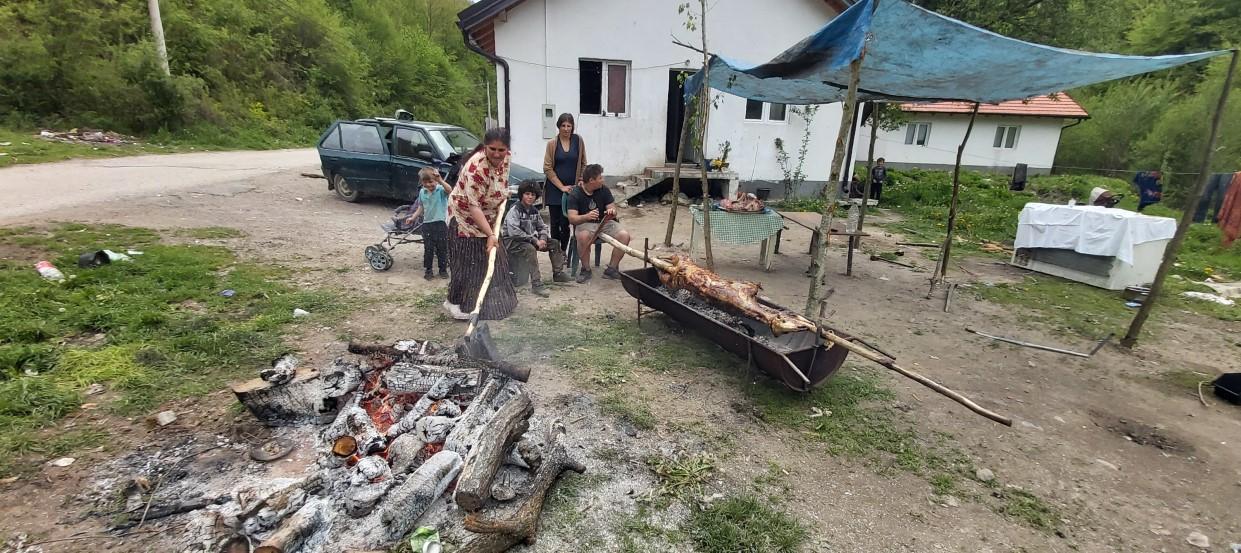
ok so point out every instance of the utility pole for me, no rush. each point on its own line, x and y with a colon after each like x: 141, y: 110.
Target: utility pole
x: 157, y: 29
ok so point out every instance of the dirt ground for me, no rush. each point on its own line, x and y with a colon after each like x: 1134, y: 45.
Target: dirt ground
x: 1128, y: 462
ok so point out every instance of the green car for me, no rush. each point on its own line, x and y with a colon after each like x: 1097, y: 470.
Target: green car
x: 381, y: 157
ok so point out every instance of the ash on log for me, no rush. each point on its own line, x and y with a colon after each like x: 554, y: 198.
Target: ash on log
x: 404, y: 452
x: 341, y: 378
x: 475, y: 415
x: 439, y: 391
x: 369, y: 482
x: 299, y: 400
x: 491, y: 448
x: 355, y: 422
x: 295, y: 530
x: 495, y: 535
x: 408, y: 501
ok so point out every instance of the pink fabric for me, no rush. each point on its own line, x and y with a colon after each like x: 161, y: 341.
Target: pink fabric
x: 1230, y: 213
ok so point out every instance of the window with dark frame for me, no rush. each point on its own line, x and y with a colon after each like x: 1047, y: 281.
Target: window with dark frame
x: 603, y: 87
x: 1006, y: 136
x: 333, y: 140
x: 776, y: 112
x: 753, y: 110
x: 917, y: 134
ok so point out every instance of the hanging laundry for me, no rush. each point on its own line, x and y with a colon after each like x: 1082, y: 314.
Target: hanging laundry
x: 1230, y: 214
x: 1213, y: 197
x: 1149, y: 188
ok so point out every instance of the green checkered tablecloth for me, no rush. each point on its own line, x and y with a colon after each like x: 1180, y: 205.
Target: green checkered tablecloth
x: 739, y: 228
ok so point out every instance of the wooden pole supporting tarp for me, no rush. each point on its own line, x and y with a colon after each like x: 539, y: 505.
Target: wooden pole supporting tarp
x: 676, y: 178
x: 831, y: 190
x: 847, y: 182
x: 870, y: 166
x: 703, y: 119
x: 941, y: 269
x: 1187, y: 218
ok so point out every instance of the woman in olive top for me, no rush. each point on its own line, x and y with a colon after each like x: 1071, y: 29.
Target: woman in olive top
x: 562, y: 163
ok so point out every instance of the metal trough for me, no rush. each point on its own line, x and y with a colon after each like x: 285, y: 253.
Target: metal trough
x: 805, y: 362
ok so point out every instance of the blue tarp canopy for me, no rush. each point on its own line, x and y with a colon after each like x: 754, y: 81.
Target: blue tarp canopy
x: 914, y: 54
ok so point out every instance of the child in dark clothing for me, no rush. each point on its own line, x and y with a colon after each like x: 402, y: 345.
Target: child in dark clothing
x: 433, y: 207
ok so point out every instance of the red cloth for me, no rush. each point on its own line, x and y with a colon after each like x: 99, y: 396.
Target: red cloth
x: 1230, y: 212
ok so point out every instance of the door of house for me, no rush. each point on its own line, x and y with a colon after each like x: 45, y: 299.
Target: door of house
x: 676, y: 113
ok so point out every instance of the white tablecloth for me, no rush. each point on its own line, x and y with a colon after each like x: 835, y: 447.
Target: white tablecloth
x: 1090, y: 230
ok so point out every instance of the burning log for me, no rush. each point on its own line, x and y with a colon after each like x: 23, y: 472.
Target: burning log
x: 411, y: 499
x: 367, y: 485
x: 280, y: 499
x: 299, y: 400
x: 344, y: 446
x: 433, y: 430
x: 491, y: 447
x: 356, y: 423
x: 341, y: 378
x: 414, y: 378
x: 404, y: 452
x: 294, y: 532
x: 439, y: 391
x: 495, y: 535
x: 475, y: 415
x: 742, y: 298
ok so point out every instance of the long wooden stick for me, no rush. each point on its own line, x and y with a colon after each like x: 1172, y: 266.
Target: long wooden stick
x: 941, y: 270
x: 491, y: 270
x: 864, y: 352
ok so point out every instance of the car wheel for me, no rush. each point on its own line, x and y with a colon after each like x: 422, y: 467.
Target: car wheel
x: 345, y: 190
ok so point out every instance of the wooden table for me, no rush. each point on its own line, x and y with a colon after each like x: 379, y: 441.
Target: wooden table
x: 810, y: 222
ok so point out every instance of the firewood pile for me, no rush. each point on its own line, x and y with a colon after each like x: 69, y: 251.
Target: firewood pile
x: 413, y: 435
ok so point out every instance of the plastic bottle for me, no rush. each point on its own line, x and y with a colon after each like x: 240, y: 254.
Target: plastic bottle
x: 855, y: 213
x: 49, y: 271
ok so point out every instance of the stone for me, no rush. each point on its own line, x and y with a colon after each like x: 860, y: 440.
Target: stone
x: 62, y: 462
x: 984, y: 475
x: 1107, y: 464
x: 1198, y: 539
x: 165, y: 418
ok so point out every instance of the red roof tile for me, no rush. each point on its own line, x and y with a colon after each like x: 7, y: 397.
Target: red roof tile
x: 1058, y: 105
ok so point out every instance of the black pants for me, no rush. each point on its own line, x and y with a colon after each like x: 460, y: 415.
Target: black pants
x: 1213, y: 197
x: 560, y: 226
x: 876, y: 190
x: 435, y: 244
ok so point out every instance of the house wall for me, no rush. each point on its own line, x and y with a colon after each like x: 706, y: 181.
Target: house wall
x: 544, y: 39
x: 1036, y: 145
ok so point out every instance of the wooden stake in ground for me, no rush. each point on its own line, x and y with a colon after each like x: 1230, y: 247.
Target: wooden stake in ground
x: 1187, y: 218
x: 941, y: 269
x: 706, y: 114
x: 676, y: 176
x: 831, y: 190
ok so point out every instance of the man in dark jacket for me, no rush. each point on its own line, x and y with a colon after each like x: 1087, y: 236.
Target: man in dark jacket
x: 525, y: 235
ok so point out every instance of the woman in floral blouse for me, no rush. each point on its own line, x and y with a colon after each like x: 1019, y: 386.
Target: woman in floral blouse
x: 474, y: 213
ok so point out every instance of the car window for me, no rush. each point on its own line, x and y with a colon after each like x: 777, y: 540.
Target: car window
x: 363, y: 139
x: 454, y: 141
x: 409, y: 141
x: 333, y: 140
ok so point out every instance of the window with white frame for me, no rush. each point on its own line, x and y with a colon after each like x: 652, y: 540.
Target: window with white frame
x: 603, y: 87
x: 918, y: 134
x: 1006, y: 136
x: 775, y: 112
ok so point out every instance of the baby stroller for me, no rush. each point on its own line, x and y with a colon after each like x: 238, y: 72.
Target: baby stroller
x: 400, y: 231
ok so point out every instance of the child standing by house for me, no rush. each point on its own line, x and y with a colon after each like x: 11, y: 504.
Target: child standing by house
x: 433, y: 206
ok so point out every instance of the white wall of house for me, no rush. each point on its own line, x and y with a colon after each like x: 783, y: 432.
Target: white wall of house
x: 543, y: 40
x: 1035, y: 145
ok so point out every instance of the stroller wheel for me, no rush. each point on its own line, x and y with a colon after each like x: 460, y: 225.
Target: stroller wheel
x: 378, y: 258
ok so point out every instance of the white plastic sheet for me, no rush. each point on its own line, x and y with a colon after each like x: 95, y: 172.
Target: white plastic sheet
x: 1090, y: 230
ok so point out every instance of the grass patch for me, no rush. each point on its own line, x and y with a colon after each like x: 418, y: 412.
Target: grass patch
x: 744, y: 524
x: 210, y: 233
x: 1027, y: 508
x: 637, y: 533
x: 28, y: 147
x: 635, y: 411
x: 682, y: 477
x: 164, y: 332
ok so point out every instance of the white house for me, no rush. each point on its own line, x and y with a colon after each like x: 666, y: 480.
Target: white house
x: 1005, y: 134
x: 613, y: 65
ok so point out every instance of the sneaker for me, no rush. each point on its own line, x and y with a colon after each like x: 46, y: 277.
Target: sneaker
x: 539, y: 290
x: 428, y: 275
x: 583, y: 276
x: 455, y: 312
x: 561, y: 277
x: 443, y: 273
x: 611, y: 273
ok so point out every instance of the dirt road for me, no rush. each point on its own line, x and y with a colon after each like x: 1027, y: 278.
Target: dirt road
x: 57, y: 188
